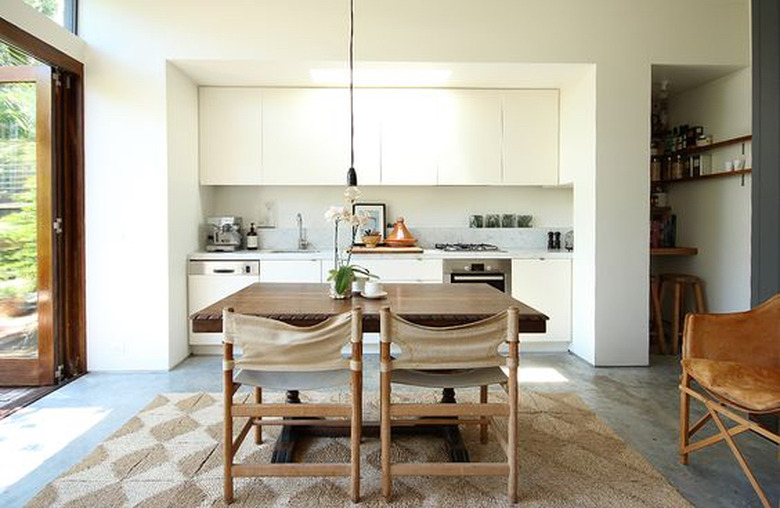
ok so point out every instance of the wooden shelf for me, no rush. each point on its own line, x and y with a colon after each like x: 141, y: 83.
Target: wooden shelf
x: 674, y: 251
x: 722, y: 174
x: 719, y: 144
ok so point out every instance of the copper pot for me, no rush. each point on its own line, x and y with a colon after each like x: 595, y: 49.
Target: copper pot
x: 400, y: 236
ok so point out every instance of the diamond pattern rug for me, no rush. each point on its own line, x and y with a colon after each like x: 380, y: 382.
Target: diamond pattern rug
x: 170, y: 454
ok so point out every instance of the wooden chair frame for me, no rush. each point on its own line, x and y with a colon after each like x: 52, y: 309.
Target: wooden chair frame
x: 716, y: 409
x: 259, y: 415
x: 395, y: 415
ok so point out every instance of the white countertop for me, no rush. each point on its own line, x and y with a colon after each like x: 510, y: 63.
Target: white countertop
x: 251, y: 255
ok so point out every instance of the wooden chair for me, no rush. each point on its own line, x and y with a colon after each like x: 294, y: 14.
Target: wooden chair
x: 735, y: 360
x: 283, y: 357
x: 470, y: 353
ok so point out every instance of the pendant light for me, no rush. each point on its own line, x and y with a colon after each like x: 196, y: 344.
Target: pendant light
x: 351, y: 173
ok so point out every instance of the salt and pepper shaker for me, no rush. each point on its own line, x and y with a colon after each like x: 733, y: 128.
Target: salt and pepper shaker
x: 557, y: 240
x: 550, y: 241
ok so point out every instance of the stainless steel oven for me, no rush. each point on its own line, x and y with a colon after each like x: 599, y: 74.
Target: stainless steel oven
x: 494, y: 272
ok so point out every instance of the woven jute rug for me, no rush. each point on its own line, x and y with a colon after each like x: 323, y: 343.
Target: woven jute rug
x: 170, y: 454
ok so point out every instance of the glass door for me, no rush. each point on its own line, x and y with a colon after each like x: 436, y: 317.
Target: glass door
x: 27, y: 353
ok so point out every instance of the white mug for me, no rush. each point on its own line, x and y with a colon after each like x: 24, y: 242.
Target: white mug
x: 739, y: 164
x: 729, y: 165
x: 372, y: 287
x: 358, y: 284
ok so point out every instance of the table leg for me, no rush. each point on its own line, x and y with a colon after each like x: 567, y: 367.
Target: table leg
x: 451, y: 433
x: 284, y: 449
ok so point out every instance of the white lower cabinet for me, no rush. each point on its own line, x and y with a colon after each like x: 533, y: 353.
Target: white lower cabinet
x: 545, y: 285
x: 404, y: 270
x: 295, y: 270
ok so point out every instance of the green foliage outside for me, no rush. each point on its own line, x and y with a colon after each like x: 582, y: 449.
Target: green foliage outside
x: 18, y: 222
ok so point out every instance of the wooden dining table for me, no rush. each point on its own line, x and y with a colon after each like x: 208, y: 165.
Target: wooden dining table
x: 304, y: 304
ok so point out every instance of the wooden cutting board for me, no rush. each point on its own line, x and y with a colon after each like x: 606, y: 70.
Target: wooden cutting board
x: 357, y: 249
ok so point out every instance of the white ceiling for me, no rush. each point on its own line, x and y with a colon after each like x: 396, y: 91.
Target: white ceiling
x: 685, y: 77
x: 413, y: 74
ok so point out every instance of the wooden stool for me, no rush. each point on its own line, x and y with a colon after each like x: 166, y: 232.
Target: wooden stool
x: 679, y: 283
x: 657, y: 314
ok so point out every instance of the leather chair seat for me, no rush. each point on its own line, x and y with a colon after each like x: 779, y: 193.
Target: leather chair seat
x: 755, y: 389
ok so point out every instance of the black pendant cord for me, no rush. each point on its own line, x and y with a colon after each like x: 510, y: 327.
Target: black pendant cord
x: 352, y: 174
x: 352, y: 83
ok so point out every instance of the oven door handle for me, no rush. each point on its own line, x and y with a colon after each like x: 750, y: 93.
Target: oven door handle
x: 466, y: 278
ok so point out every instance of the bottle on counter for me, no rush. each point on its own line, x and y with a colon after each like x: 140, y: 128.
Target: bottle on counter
x: 252, y: 240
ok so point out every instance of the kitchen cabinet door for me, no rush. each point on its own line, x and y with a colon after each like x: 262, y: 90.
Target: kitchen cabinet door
x: 470, y: 142
x: 530, y: 144
x: 230, y: 127
x: 410, y: 134
x: 545, y: 285
x: 305, y: 136
x: 294, y: 270
x: 403, y: 270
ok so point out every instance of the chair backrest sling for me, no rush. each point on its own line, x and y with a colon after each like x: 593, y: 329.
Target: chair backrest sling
x: 472, y: 345
x: 272, y: 345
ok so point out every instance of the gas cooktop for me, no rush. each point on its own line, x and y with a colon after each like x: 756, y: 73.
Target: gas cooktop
x: 467, y: 247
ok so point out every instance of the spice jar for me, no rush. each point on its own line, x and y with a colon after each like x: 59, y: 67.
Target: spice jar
x: 655, y: 169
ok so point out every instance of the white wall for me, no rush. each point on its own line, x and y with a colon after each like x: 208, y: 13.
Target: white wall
x: 127, y: 164
x: 714, y: 215
x: 578, y: 165
x: 30, y: 20
x: 420, y: 206
x: 186, y: 200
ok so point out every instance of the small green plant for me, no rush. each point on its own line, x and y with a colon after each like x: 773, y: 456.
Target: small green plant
x: 343, y: 277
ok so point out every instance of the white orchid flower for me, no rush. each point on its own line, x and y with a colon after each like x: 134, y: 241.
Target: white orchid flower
x: 335, y: 213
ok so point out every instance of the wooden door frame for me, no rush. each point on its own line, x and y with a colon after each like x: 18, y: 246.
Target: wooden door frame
x: 68, y: 168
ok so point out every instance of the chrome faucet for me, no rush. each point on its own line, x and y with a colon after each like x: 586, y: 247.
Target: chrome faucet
x: 303, y: 244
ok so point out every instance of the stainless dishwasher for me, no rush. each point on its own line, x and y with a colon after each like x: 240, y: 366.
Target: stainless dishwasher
x: 210, y: 281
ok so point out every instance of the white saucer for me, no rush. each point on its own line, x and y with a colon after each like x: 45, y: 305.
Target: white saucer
x: 375, y: 296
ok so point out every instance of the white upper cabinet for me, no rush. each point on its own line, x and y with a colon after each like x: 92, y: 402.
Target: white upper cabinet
x: 305, y: 136
x: 300, y: 136
x: 530, y: 137
x: 368, y: 108
x: 469, y: 137
x: 230, y: 136
x: 409, y: 131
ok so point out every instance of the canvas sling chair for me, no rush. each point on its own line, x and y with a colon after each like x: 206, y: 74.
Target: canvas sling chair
x: 735, y: 360
x: 450, y: 357
x: 279, y: 356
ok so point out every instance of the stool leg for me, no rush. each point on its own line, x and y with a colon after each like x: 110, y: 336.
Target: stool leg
x: 701, y: 307
x: 678, y: 294
x: 657, y: 318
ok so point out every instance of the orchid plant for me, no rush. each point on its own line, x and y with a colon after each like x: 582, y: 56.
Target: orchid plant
x: 344, y: 272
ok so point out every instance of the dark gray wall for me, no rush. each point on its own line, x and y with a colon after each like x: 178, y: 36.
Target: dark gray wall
x: 765, y: 263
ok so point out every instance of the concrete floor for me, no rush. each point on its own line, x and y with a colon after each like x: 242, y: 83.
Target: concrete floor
x: 640, y: 404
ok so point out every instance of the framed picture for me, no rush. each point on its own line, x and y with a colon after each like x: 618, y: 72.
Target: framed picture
x: 377, y: 221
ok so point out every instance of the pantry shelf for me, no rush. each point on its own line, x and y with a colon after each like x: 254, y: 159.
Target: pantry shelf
x: 722, y: 174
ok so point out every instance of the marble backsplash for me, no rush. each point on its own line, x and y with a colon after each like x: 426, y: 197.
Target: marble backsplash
x: 504, y: 238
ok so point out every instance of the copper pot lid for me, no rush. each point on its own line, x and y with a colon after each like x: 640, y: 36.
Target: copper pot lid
x: 400, y: 234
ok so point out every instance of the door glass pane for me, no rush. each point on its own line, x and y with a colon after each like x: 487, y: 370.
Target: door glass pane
x: 18, y: 219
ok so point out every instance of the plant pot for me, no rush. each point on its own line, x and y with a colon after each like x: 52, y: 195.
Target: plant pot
x: 371, y: 241
x: 340, y: 296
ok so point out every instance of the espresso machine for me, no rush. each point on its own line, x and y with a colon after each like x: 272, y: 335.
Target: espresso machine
x: 223, y: 234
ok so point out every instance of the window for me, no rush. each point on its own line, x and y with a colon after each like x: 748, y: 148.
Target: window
x: 62, y: 12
